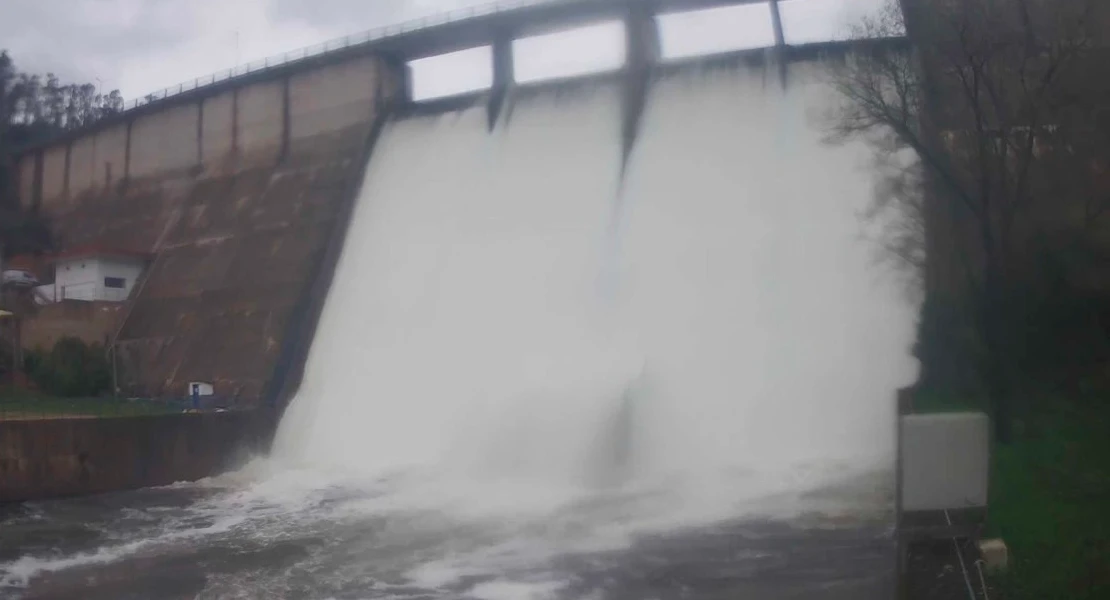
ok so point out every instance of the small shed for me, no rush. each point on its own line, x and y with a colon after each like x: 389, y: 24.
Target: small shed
x: 203, y: 389
x: 94, y: 273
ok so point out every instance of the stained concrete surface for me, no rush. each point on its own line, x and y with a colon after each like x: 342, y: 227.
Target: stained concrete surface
x: 66, y: 457
x: 236, y: 229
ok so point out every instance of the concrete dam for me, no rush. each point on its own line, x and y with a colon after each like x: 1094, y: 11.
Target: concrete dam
x: 610, y: 336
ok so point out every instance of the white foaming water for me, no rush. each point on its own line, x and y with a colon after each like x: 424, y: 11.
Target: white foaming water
x: 772, y: 340
x: 19, y: 572
x: 463, y: 329
x: 524, y: 356
x: 490, y: 323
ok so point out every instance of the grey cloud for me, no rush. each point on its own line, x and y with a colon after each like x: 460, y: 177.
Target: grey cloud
x: 135, y: 44
x: 80, y: 40
x: 338, y: 13
x: 356, y: 15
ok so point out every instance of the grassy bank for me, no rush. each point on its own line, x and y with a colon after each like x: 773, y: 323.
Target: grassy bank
x: 24, y: 404
x: 1050, y: 499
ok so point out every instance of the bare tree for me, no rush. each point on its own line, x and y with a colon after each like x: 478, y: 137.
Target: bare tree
x: 896, y: 218
x: 992, y: 99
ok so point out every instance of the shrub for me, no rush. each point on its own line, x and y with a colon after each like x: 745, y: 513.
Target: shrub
x: 70, y: 369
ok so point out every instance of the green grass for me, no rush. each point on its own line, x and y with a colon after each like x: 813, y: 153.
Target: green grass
x: 1050, y: 499
x: 23, y: 404
x: 928, y: 402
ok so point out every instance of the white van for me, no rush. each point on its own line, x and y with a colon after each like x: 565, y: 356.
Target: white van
x: 19, y: 278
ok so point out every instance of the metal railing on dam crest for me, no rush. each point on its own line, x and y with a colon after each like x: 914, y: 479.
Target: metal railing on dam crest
x: 401, y: 29
x: 339, y: 44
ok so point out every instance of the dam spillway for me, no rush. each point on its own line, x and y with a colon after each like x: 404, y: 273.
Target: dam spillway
x: 544, y: 370
x: 519, y: 273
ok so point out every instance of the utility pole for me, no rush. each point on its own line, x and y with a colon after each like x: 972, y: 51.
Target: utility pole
x: 115, y: 375
x: 7, y: 316
x: 10, y: 313
x: 17, y: 347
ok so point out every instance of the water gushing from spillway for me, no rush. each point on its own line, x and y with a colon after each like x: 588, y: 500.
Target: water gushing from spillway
x: 534, y: 378
x: 506, y: 309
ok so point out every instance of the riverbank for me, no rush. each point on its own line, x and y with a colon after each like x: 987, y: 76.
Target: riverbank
x: 23, y: 405
x: 275, y: 531
x: 1048, y: 497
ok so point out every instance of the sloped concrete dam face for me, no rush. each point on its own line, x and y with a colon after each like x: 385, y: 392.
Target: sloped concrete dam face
x: 541, y: 375
x: 234, y: 198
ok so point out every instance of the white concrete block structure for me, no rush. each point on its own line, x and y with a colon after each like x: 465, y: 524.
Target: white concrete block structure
x: 93, y: 273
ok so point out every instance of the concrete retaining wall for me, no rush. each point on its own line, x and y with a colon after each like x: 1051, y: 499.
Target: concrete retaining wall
x: 66, y: 457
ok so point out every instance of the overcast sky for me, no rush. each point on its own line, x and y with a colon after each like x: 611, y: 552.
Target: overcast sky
x: 139, y: 46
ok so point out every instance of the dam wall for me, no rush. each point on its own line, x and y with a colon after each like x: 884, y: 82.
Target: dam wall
x: 239, y: 190
x: 242, y: 192
x: 234, y: 196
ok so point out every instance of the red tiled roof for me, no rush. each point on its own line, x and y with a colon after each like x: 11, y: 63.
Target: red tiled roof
x: 23, y: 262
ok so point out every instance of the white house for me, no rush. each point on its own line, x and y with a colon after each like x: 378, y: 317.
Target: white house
x: 93, y: 273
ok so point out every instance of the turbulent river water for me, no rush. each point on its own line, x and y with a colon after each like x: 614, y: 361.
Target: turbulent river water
x: 542, y: 373
x: 293, y: 534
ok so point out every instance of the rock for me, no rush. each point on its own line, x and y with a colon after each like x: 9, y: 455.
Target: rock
x: 996, y: 555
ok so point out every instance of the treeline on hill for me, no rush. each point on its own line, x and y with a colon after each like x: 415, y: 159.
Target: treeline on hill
x: 34, y: 108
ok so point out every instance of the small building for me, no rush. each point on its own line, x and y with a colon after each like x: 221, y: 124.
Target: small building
x: 93, y: 273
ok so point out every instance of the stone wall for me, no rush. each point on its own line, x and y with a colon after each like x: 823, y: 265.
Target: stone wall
x: 66, y: 457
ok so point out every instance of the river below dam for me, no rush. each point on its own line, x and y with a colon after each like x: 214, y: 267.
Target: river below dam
x: 261, y: 533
